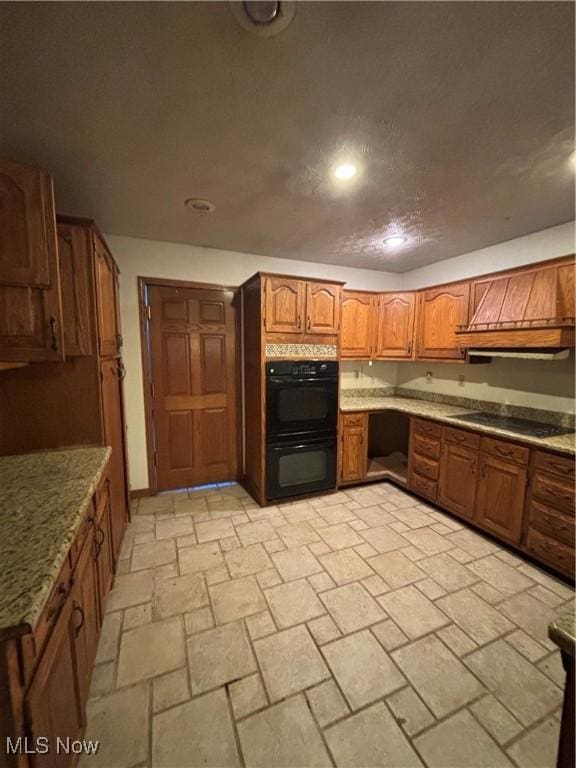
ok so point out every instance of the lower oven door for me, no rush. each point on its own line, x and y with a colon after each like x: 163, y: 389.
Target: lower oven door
x: 300, y: 467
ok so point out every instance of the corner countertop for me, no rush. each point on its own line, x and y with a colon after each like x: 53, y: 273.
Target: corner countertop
x: 563, y: 633
x: 449, y: 414
x: 43, y: 499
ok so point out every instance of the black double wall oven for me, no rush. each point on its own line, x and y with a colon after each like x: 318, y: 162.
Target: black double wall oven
x: 301, y: 427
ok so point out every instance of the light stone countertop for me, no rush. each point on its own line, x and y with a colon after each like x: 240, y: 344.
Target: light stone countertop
x: 563, y: 633
x: 449, y: 414
x: 43, y: 499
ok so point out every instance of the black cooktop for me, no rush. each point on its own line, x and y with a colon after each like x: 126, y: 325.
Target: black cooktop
x: 511, y: 424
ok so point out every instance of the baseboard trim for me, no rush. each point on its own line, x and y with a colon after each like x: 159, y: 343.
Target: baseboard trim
x: 140, y: 493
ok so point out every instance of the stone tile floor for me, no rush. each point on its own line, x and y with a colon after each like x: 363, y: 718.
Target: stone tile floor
x: 362, y: 628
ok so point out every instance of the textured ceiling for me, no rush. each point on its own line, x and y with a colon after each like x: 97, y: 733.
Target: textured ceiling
x: 461, y: 115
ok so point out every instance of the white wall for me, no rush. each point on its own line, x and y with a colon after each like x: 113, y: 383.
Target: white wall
x: 359, y: 374
x: 148, y: 258
x: 546, y: 244
x: 545, y: 384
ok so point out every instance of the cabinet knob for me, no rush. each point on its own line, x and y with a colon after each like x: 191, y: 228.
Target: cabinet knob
x: 53, y: 329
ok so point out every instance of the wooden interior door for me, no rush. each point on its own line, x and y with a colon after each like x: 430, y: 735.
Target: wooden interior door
x: 395, y: 325
x: 193, y: 378
x: 322, y: 308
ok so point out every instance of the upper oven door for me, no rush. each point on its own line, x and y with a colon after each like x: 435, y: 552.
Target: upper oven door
x: 296, y: 406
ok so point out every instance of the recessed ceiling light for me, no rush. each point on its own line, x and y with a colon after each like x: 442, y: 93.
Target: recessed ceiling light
x: 395, y: 241
x: 198, y: 205
x: 345, y: 171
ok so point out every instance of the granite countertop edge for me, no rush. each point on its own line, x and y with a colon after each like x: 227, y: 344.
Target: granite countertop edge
x: 36, y: 593
x: 449, y: 414
x: 562, y: 632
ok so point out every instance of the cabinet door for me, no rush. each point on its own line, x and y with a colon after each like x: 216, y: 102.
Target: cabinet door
x: 52, y: 704
x: 322, y: 308
x: 84, y: 619
x: 395, y: 326
x: 440, y: 310
x: 457, y: 488
x: 106, y: 297
x: 354, y: 455
x: 112, y: 411
x: 104, y: 551
x: 500, y: 497
x: 284, y: 300
x: 30, y: 308
x: 74, y: 253
x: 356, y: 327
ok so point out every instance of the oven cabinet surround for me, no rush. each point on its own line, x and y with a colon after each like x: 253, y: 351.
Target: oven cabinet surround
x: 521, y: 495
x: 45, y: 674
x: 288, y: 318
x: 80, y: 401
x: 30, y: 297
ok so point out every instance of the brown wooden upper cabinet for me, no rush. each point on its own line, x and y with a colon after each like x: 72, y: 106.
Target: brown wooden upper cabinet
x: 76, y: 286
x: 395, y: 325
x: 356, y: 327
x: 106, y: 276
x: 30, y: 305
x: 322, y: 308
x: 301, y: 306
x: 440, y: 310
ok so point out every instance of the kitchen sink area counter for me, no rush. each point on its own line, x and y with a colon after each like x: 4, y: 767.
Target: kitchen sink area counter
x: 43, y: 500
x: 389, y: 400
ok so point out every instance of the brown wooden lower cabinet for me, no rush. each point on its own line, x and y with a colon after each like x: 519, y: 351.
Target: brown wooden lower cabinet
x: 49, y: 684
x: 353, y: 454
x: 457, y: 487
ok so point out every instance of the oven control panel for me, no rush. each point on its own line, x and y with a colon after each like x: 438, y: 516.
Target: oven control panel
x: 302, y: 368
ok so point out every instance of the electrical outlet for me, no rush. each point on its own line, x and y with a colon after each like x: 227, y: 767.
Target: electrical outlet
x: 461, y: 380
x: 428, y: 377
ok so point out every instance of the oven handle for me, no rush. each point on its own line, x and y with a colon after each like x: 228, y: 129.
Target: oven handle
x: 330, y: 443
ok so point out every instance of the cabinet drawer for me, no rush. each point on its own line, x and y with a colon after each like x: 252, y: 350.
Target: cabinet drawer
x: 425, y: 467
x: 519, y: 454
x: 423, y: 486
x: 554, y: 490
x: 552, y: 522
x: 556, y: 465
x: 461, y: 437
x: 426, y: 446
x: 353, y: 419
x: 551, y: 552
x: 427, y: 428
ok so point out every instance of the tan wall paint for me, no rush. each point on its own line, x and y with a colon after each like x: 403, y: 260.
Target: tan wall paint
x: 149, y: 258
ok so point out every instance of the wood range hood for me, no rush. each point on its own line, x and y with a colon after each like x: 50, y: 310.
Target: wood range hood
x: 530, y: 311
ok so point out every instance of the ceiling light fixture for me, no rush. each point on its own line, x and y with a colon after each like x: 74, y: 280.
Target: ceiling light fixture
x: 198, y: 205
x: 345, y: 171
x: 395, y: 241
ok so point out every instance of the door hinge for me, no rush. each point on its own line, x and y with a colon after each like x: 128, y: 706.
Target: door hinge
x: 155, y: 459
x: 152, y: 389
x: 148, y: 311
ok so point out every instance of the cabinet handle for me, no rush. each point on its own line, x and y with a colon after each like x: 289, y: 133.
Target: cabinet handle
x: 503, y: 451
x: 63, y: 591
x: 119, y: 340
x: 299, y: 320
x: 81, y: 612
x: 562, y: 469
x: 483, y: 471
x: 474, y: 467
x: 121, y: 370
x: 553, y: 492
x: 53, y: 329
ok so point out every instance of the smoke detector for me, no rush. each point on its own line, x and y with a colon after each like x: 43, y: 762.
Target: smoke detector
x: 198, y: 205
x: 266, y: 18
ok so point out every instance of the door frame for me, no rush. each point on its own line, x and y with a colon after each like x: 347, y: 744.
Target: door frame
x: 143, y: 284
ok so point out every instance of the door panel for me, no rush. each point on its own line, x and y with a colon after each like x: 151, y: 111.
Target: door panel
x: 395, y: 325
x: 284, y: 300
x: 322, y: 308
x: 440, y: 311
x: 457, y: 488
x: 354, y: 455
x: 192, y: 343
x: 500, y: 497
x: 357, y: 316
x: 108, y: 329
x: 73, y: 251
